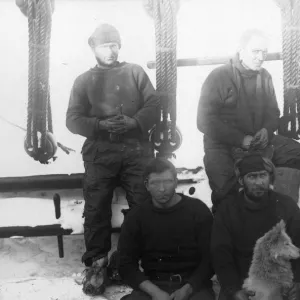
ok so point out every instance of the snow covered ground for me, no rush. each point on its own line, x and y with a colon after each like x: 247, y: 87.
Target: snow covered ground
x: 30, y: 267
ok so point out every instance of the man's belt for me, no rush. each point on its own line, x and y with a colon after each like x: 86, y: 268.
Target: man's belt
x: 171, y: 277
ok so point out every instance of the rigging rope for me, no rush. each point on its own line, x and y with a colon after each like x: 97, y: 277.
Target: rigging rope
x: 39, y: 142
x: 167, y: 138
x: 290, y: 15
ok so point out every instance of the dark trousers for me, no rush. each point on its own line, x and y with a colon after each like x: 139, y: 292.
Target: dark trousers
x: 219, y: 164
x: 170, y: 287
x: 108, y: 165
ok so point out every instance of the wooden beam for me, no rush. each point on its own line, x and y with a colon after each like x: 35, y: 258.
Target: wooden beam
x: 45, y: 230
x: 207, y: 61
x: 50, y: 182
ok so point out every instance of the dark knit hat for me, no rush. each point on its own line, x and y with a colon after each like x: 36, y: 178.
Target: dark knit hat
x: 105, y: 33
x: 251, y: 163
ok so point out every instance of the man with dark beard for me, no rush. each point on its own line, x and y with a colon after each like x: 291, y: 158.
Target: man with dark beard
x: 243, y: 219
x: 113, y: 105
x: 238, y: 112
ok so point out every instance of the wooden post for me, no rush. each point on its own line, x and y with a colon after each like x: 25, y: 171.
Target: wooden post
x: 56, y: 199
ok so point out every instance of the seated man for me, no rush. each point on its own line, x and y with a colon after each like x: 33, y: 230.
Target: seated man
x: 170, y: 234
x: 242, y: 219
x: 238, y: 110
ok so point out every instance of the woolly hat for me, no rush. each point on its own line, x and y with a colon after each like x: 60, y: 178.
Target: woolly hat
x: 251, y: 163
x: 105, y: 33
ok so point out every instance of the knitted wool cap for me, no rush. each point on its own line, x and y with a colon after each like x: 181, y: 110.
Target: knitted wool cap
x: 251, y: 163
x: 105, y: 33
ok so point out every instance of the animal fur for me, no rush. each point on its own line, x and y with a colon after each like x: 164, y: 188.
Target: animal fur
x: 270, y: 272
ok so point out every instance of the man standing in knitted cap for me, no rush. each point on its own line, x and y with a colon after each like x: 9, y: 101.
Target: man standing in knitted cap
x: 241, y: 220
x: 114, y: 106
x: 238, y: 110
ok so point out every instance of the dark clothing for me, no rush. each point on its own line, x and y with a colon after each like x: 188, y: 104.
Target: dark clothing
x: 236, y: 102
x: 168, y: 241
x: 170, y: 287
x: 224, y: 106
x: 106, y: 167
x: 237, y: 226
x: 219, y: 164
x: 96, y: 95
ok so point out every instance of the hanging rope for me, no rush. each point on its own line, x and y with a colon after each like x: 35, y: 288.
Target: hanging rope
x: 39, y: 142
x: 167, y: 138
x: 290, y: 14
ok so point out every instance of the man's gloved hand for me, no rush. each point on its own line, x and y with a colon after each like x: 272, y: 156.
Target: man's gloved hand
x: 260, y: 139
x: 123, y: 124
x: 247, y: 142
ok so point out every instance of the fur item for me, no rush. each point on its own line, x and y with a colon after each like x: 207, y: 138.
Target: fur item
x: 270, y: 272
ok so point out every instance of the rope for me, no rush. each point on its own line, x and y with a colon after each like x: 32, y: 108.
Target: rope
x: 164, y: 14
x: 63, y: 147
x: 290, y: 14
x: 39, y: 117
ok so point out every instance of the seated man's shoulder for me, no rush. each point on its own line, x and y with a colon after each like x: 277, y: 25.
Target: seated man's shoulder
x: 265, y: 72
x: 229, y: 203
x: 139, y: 210
x: 196, y: 205
x: 285, y: 200
x: 221, y: 75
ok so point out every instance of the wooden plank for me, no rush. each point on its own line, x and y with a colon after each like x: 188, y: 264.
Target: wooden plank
x: 208, y: 61
x: 46, y: 230
x: 49, y: 182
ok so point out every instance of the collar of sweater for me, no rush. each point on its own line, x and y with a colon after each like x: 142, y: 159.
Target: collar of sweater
x: 256, y: 205
x: 169, y: 209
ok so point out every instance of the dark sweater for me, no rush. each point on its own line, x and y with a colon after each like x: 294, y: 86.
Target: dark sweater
x: 238, y: 225
x: 98, y: 93
x: 174, y: 240
x: 223, y: 112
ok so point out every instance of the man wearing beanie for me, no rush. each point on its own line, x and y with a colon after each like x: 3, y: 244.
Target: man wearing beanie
x: 114, y: 106
x: 241, y: 220
x: 238, y: 110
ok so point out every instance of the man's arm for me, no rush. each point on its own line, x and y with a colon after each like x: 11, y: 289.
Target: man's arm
x: 129, y: 248
x: 208, y: 117
x: 77, y: 120
x: 222, y: 254
x: 272, y: 112
x: 204, y: 272
x: 293, y: 230
x: 147, y: 114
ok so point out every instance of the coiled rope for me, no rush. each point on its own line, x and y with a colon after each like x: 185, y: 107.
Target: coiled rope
x: 167, y: 137
x: 290, y: 15
x: 39, y: 143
